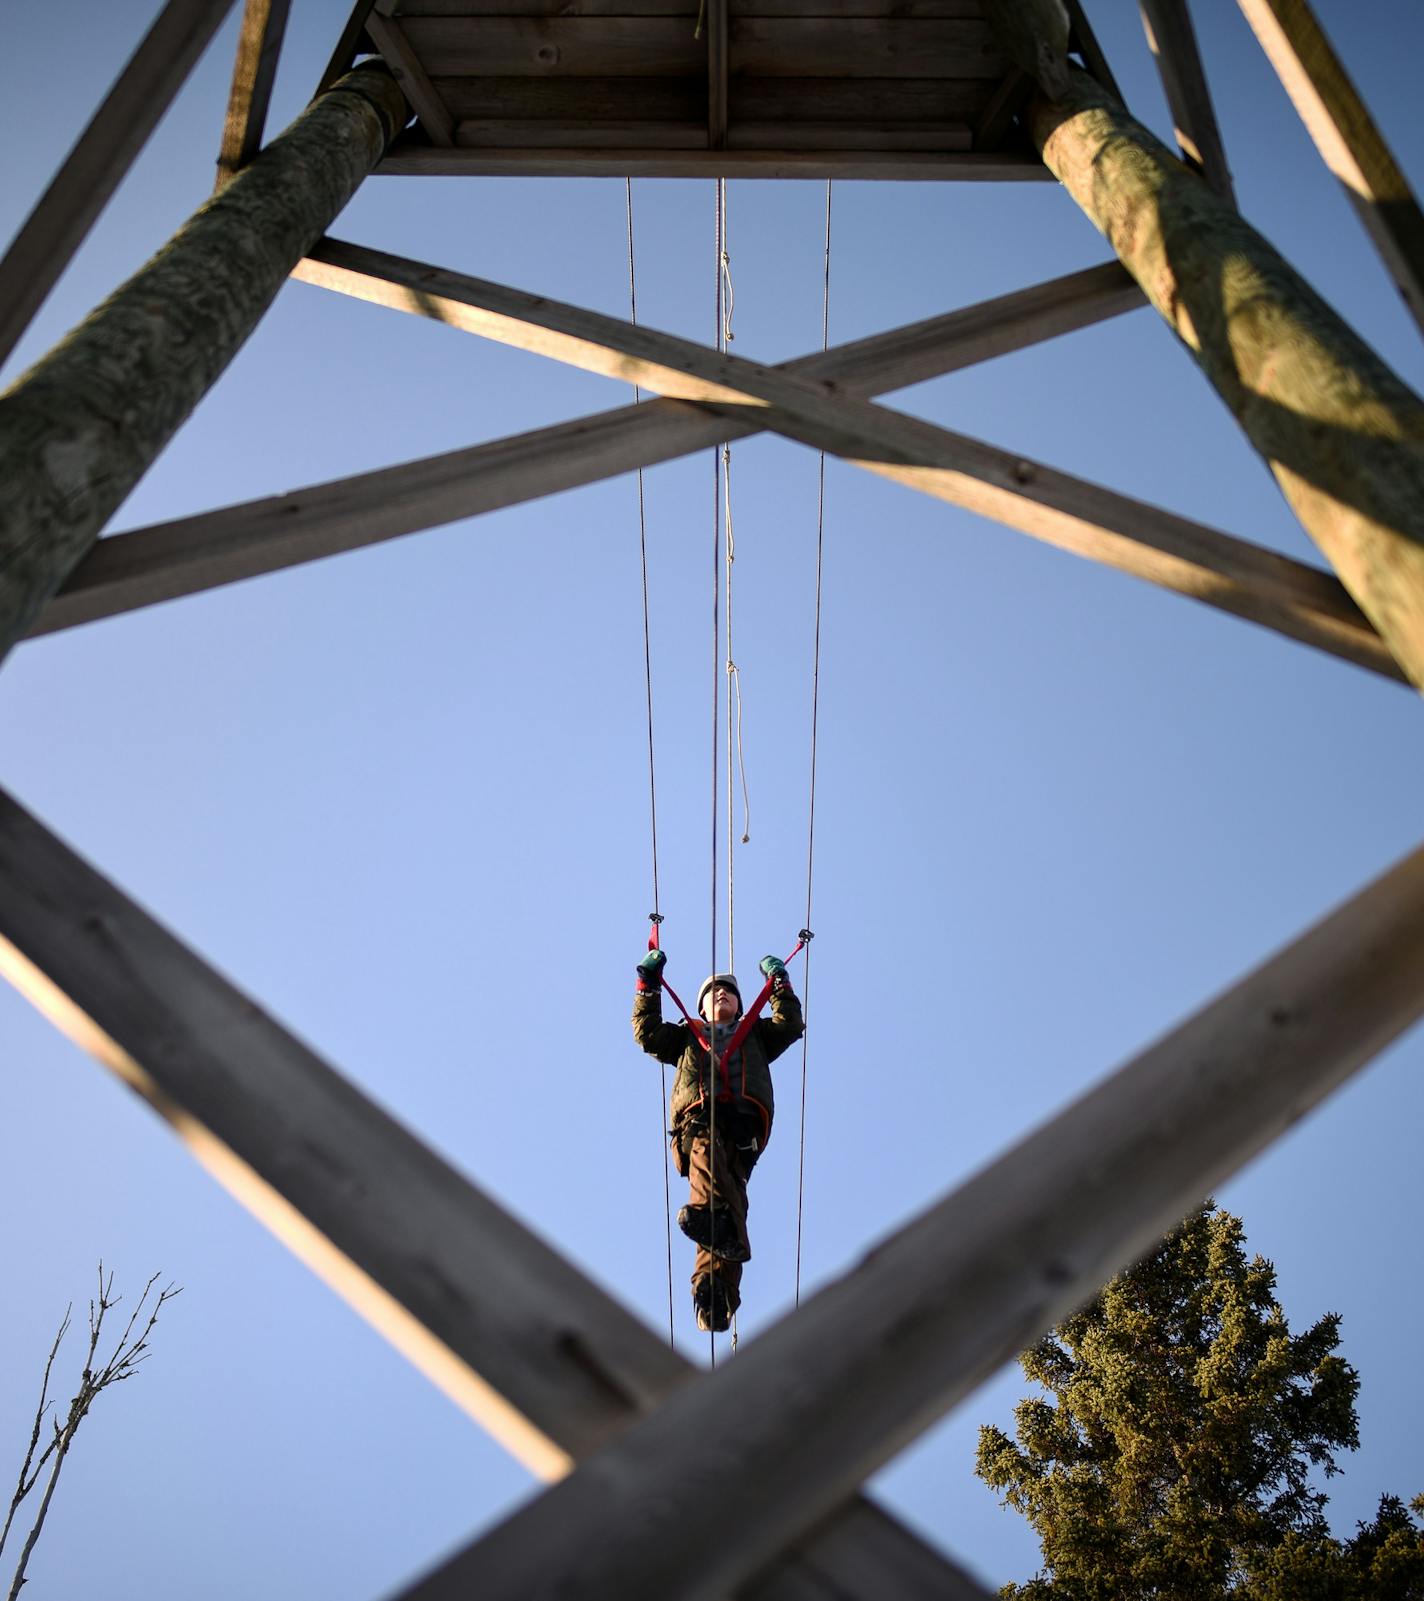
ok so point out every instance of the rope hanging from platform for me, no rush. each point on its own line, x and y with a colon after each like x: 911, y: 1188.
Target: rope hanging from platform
x: 815, y: 718
x: 652, y: 773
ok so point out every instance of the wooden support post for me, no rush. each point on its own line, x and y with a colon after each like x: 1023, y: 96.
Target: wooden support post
x: 1173, y: 42
x: 513, y: 1333
x: 264, y: 22
x: 1342, y: 433
x: 777, y: 1438
x: 78, y: 431
x: 106, y: 149
x: 1346, y: 137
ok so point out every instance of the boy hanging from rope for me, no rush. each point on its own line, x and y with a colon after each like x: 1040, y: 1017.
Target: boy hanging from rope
x: 716, y: 1151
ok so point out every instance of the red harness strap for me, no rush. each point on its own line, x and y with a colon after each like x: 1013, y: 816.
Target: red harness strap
x: 744, y: 1023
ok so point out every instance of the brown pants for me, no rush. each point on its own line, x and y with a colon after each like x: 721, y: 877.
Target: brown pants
x: 720, y: 1176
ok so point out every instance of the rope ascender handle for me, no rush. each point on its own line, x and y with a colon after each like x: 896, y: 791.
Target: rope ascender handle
x: 803, y: 939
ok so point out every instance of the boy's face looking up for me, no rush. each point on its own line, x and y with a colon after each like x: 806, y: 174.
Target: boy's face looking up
x: 720, y: 1005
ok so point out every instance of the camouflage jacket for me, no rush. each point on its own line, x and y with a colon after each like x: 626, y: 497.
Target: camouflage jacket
x: 745, y: 1080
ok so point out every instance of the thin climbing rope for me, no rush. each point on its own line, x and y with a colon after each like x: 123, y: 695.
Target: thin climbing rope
x: 720, y: 205
x: 815, y: 714
x: 652, y: 774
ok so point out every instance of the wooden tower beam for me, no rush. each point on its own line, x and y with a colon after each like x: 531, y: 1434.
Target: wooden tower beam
x: 775, y: 1440
x: 1346, y: 137
x: 81, y: 428
x: 254, y: 72
x: 1342, y: 433
x: 119, y: 129
x: 144, y: 566
x: 502, y: 1323
x: 1173, y: 43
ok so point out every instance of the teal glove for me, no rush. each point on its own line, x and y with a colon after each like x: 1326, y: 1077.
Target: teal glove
x: 773, y: 967
x: 650, y: 970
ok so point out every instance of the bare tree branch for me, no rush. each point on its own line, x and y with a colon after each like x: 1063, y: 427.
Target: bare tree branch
x: 127, y: 1356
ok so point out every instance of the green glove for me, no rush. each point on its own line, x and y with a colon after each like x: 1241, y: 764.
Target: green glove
x: 650, y: 970
x: 773, y: 966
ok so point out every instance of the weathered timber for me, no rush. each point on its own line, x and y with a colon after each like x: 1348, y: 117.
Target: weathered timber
x: 1342, y: 433
x: 508, y: 1328
x: 581, y: 135
x: 1048, y: 505
x: 406, y: 68
x: 793, y: 47
x: 82, y: 426
x: 859, y: 100
x: 642, y: 47
x: 717, y: 67
x: 1082, y: 39
x: 64, y: 214
x: 1173, y: 42
x: 826, y: 136
x: 969, y: 9
x: 343, y: 56
x: 145, y: 566
x: 1033, y: 34
x: 664, y: 47
x: 1079, y: 517
x: 259, y: 45
x: 894, y: 166
x: 1347, y: 138
x: 777, y: 1438
x: 568, y: 100
x: 1004, y: 105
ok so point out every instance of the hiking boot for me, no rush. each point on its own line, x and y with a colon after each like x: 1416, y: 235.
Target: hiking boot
x: 692, y: 1220
x: 712, y: 1304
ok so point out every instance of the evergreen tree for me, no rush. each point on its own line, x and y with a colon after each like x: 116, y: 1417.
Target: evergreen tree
x: 1175, y: 1456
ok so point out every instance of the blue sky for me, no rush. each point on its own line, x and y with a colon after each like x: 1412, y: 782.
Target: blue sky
x: 400, y: 797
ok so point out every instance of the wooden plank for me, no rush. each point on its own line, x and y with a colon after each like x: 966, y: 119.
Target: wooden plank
x: 1173, y: 42
x: 145, y: 566
x: 591, y: 47
x: 1347, y: 138
x: 664, y: 47
x: 717, y: 74
x: 1082, y: 39
x: 859, y: 100
x: 264, y: 23
x: 503, y: 1324
x: 1298, y: 601
x: 353, y: 35
x: 395, y: 48
x: 82, y: 426
x: 506, y: 135
x: 792, y: 47
x: 1343, y: 434
x: 478, y: 9
x: 863, y: 100
x: 832, y: 1392
x: 940, y: 136
x: 119, y: 129
x: 570, y: 100
x: 908, y: 166
x: 965, y: 10
x: 997, y: 117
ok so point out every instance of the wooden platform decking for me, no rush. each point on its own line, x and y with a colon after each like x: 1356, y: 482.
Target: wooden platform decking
x: 701, y: 88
